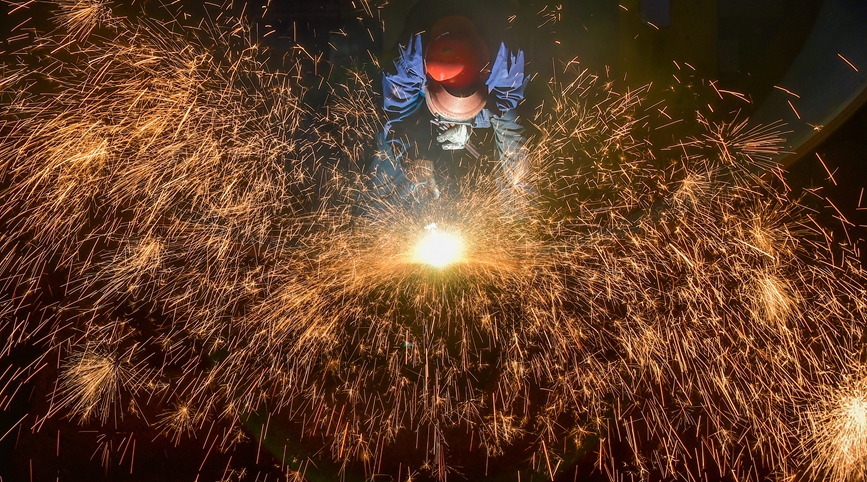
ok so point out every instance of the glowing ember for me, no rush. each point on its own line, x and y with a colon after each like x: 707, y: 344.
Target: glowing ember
x: 438, y: 248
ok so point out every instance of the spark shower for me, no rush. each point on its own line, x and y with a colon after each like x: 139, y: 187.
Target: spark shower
x: 179, y: 248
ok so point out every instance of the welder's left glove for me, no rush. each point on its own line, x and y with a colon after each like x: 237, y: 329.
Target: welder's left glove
x: 455, y: 137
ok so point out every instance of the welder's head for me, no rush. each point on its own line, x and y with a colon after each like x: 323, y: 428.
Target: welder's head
x: 456, y: 61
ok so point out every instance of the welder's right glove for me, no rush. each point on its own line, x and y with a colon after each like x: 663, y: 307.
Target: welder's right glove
x: 394, y: 181
x: 422, y: 181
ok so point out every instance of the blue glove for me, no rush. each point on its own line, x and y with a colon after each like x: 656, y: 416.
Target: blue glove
x: 403, y: 92
x: 507, y: 80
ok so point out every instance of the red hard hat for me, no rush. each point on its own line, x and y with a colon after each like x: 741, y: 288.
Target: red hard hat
x: 455, y: 61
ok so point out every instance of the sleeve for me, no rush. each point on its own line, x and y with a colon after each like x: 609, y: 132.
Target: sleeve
x: 403, y: 91
x: 507, y: 81
x: 386, y: 172
x: 513, y: 155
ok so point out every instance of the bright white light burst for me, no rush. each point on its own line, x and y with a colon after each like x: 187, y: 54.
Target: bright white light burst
x: 438, y: 248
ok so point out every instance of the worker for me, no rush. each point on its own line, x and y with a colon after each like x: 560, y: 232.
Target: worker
x: 461, y: 89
